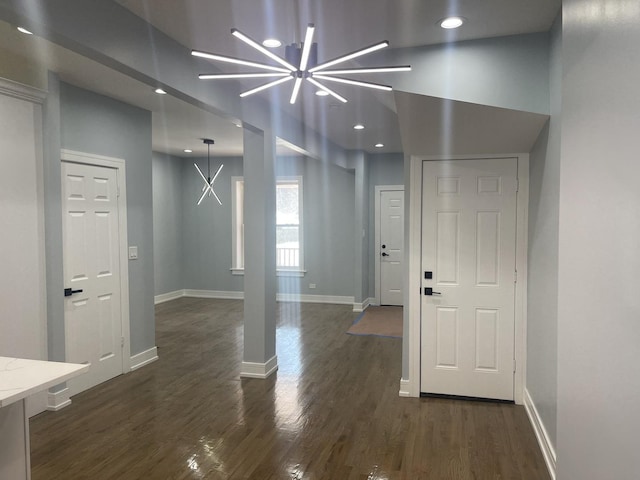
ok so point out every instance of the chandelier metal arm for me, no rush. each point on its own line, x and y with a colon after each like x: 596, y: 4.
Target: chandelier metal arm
x: 237, y: 61
x: 349, y: 71
x: 252, y: 43
x: 265, y: 86
x: 348, y: 81
x: 296, y: 89
x: 221, y: 76
x: 326, y: 89
x: 350, y: 56
x: 306, y: 47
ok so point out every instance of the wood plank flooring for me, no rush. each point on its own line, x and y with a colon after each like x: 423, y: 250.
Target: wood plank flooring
x: 331, y: 412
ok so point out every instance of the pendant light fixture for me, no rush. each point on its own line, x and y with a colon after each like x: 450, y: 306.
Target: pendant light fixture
x: 208, y: 181
x: 305, y: 57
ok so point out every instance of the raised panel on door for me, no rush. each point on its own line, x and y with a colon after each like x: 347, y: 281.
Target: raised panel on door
x: 91, y: 263
x: 468, y: 242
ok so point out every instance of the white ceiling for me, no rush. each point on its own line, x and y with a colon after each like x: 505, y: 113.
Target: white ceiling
x: 341, y: 26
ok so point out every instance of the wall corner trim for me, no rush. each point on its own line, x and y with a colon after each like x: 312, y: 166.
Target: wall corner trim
x: 259, y: 370
x: 548, y: 452
x: 405, y: 388
x: 141, y: 359
x: 361, y: 307
x: 166, y: 297
x: 58, y: 400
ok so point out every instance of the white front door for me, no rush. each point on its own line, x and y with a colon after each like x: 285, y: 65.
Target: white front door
x: 93, y: 326
x: 469, y: 250
x: 391, y: 246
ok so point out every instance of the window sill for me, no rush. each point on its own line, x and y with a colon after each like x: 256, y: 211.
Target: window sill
x: 279, y: 273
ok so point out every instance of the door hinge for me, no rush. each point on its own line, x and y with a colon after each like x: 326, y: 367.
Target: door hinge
x: 122, y: 342
x: 514, y: 365
x: 515, y: 276
x: 517, y: 185
x: 118, y: 191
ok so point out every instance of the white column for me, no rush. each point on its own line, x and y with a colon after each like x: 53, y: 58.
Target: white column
x: 259, y: 358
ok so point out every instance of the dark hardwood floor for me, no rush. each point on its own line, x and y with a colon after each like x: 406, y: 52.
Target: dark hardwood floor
x: 332, y: 411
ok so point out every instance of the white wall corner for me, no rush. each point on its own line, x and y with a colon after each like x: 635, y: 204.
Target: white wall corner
x: 259, y: 370
x: 405, y: 388
x: 166, y: 297
x: 141, y: 359
x: 548, y: 452
x: 361, y: 307
x: 58, y: 400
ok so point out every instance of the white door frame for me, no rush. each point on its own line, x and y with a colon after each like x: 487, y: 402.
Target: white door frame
x: 8, y: 88
x: 378, y: 193
x: 411, y: 385
x: 119, y: 165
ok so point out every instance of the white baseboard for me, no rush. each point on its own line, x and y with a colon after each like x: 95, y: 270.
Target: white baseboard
x: 280, y: 297
x: 361, y: 307
x: 58, y: 400
x: 405, y: 388
x: 259, y: 370
x: 306, y: 298
x: 141, y: 359
x: 166, y: 297
x: 213, y: 294
x: 548, y: 452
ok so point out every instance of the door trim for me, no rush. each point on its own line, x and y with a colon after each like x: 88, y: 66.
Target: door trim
x: 119, y: 165
x: 376, y: 221
x: 413, y: 274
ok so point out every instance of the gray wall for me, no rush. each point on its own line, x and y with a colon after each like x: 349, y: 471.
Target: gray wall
x: 206, y: 251
x: 599, y: 258
x: 542, y: 282
x: 205, y: 248
x: 100, y: 125
x: 328, y: 203
x: 167, y: 223
x: 384, y: 169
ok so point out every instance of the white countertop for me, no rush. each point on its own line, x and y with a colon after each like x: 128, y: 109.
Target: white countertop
x: 20, y: 377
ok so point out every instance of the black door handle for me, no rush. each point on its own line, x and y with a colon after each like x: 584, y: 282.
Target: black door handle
x: 385, y: 254
x: 429, y: 291
x: 68, y: 292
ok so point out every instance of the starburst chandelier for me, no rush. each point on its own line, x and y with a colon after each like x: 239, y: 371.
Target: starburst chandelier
x: 305, y: 57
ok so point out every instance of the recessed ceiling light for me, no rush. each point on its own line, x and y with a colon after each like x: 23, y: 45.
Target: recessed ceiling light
x: 238, y: 125
x: 160, y: 91
x: 451, y: 22
x: 186, y: 150
x: 358, y: 127
x: 322, y: 93
x: 272, y: 43
x: 379, y: 145
x: 24, y: 30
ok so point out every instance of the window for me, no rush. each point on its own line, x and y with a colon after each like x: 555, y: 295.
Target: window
x: 289, y: 235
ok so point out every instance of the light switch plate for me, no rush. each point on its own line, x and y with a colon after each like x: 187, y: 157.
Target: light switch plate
x: 133, y: 253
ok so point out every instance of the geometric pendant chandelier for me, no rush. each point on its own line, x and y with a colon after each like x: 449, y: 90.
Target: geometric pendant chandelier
x: 300, y: 64
x: 208, y: 181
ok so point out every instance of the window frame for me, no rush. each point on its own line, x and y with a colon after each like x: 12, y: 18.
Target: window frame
x: 237, y: 226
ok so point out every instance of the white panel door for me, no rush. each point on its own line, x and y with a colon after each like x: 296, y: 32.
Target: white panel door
x: 391, y: 247
x: 468, y: 245
x: 93, y: 327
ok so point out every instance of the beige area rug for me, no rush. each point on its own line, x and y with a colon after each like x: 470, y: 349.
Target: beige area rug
x: 379, y: 321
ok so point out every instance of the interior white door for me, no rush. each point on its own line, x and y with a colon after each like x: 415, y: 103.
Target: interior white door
x: 469, y: 246
x: 93, y: 326
x: 391, y: 246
